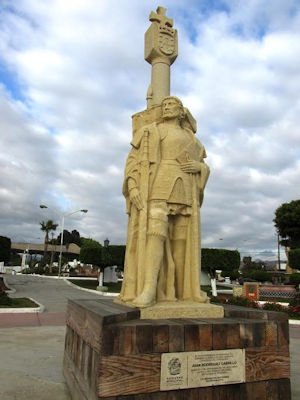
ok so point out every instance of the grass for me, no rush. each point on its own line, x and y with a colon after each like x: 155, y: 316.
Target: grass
x: 114, y: 287
x: 21, y: 302
x: 89, y: 284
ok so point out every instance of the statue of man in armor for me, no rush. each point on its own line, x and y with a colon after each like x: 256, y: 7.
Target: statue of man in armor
x: 165, y: 176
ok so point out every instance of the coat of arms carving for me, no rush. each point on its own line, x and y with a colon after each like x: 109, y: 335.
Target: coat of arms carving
x: 166, y: 40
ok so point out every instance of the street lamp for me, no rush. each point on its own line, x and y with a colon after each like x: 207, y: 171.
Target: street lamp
x: 62, y: 216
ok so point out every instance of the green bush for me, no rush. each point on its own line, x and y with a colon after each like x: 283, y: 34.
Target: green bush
x: 295, y: 301
x: 295, y: 278
x: 233, y: 275
x: 15, y: 259
x: 261, y: 276
x: 5, y: 245
x: 226, y: 260
x: 90, y: 252
x: 236, y: 301
x: 40, y: 269
x: 243, y: 302
x: 4, y: 299
x: 118, y: 255
x: 272, y: 306
x: 294, y: 311
x: 294, y: 259
x: 47, y: 271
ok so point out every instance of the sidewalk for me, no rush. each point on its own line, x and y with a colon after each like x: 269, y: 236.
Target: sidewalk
x: 31, y: 363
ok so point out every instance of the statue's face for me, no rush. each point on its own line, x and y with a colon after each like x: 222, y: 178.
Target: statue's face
x: 171, y: 109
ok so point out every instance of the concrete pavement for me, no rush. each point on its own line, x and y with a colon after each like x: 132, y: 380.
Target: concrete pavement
x: 31, y: 363
x: 52, y: 293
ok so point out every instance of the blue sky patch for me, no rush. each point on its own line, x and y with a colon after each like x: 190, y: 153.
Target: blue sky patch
x: 10, y: 81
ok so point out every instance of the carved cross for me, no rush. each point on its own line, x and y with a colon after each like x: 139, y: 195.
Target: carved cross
x: 160, y: 17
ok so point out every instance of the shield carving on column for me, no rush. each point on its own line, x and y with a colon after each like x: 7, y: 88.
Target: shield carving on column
x: 166, y: 41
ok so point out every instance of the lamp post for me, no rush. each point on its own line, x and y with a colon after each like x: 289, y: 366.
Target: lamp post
x: 100, y: 287
x: 62, y: 216
x: 24, y: 255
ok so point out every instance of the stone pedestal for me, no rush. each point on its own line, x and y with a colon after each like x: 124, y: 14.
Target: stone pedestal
x: 110, y: 353
x: 186, y: 309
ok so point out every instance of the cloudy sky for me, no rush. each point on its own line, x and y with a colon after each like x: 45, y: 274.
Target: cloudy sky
x: 72, y: 73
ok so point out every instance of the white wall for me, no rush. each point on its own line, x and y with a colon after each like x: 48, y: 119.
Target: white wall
x: 110, y: 274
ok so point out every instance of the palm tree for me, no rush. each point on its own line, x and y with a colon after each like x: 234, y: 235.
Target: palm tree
x: 47, y: 227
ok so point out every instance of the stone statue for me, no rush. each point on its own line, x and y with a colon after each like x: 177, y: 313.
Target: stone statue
x: 165, y: 177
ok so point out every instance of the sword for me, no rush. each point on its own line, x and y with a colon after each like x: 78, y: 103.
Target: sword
x: 143, y: 213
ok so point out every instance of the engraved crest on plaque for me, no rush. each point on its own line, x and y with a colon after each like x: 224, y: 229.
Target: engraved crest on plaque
x: 174, y: 366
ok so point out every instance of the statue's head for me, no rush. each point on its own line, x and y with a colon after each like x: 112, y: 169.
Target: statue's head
x: 172, y: 107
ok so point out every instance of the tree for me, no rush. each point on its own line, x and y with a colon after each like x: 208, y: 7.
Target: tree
x: 113, y: 255
x: 76, y: 237
x: 294, y: 258
x: 295, y: 278
x: 106, y: 257
x: 213, y: 259
x: 90, y: 252
x: 47, y: 227
x: 249, y: 265
x: 5, y: 246
x: 69, y: 237
x: 261, y: 276
x: 226, y: 260
x: 287, y: 223
x: 233, y: 275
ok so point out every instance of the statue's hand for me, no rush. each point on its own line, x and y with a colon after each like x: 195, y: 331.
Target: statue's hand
x: 191, y: 166
x: 135, y: 198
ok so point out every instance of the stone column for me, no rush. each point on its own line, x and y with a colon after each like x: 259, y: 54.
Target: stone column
x: 161, y: 50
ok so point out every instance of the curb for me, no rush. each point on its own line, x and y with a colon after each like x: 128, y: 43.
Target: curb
x: 91, y: 290
x: 41, y: 276
x: 294, y: 322
x: 9, y: 289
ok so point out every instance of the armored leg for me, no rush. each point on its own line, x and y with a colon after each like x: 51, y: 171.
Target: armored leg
x: 156, y: 236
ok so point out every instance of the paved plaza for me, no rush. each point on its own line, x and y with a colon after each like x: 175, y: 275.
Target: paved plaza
x: 32, y: 345
x: 51, y: 292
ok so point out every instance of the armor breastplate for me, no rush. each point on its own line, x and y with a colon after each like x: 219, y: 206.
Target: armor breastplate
x: 171, y: 183
x: 171, y: 145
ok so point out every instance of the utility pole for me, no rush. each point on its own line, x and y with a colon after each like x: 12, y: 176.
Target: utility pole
x: 278, y: 250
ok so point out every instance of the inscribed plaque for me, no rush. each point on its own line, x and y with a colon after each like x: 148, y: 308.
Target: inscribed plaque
x: 202, y: 368
x: 218, y: 367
